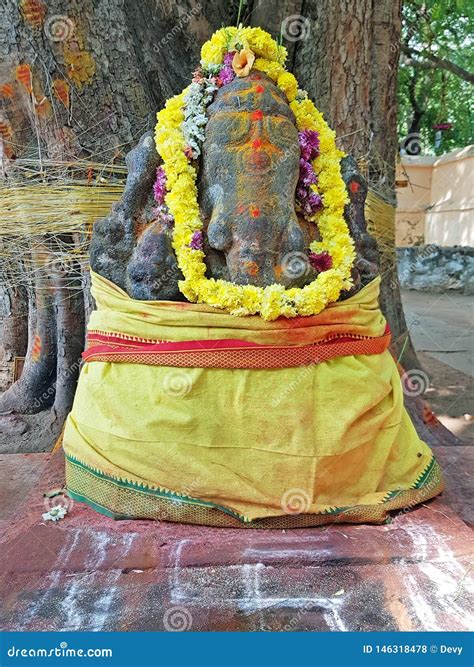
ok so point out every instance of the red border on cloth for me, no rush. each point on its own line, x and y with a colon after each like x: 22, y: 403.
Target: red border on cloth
x: 227, y: 352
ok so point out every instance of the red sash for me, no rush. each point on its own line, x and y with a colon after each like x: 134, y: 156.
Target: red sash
x: 226, y: 353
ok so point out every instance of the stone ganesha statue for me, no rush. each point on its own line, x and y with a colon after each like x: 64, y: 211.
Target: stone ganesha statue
x: 257, y: 215
x: 252, y: 232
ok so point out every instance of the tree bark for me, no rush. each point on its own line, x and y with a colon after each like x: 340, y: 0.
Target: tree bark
x: 34, y: 390
x: 14, y: 328
x: 415, y: 124
x: 333, y: 65
x: 348, y: 65
x: 70, y: 323
x: 120, y: 61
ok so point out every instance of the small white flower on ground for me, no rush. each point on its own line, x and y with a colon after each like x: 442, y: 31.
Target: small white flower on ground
x: 55, y: 513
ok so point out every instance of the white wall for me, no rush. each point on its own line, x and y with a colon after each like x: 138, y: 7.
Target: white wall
x: 437, y: 204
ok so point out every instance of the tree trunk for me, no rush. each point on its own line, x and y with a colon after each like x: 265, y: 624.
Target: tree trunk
x: 92, y: 76
x: 348, y: 64
x: 14, y: 329
x: 34, y: 390
x: 333, y: 64
x: 412, y: 142
x: 100, y: 69
x: 121, y: 60
x: 70, y: 322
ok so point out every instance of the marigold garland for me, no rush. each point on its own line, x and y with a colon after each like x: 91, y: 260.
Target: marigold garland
x: 182, y: 198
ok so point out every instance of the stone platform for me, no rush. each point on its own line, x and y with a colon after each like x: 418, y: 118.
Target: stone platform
x: 88, y: 572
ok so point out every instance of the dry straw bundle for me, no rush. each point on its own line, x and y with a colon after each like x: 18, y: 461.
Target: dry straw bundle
x: 61, y: 201
x: 47, y: 210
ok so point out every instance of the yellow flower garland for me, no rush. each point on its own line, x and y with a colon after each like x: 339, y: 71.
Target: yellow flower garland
x: 182, y: 197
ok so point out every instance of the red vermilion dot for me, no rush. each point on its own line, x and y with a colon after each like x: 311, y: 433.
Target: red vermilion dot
x: 252, y: 268
x: 355, y: 187
x: 259, y: 88
x: 257, y: 143
x: 254, y: 211
x: 257, y: 114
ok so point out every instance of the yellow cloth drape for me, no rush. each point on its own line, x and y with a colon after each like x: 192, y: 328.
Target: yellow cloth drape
x: 330, y: 435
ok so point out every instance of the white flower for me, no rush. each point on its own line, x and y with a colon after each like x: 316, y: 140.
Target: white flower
x: 55, y: 513
x: 210, y: 69
x: 198, y: 97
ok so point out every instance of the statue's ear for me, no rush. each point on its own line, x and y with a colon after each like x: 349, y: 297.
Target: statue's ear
x: 114, y: 237
x: 355, y: 183
x: 367, y: 261
x: 356, y: 186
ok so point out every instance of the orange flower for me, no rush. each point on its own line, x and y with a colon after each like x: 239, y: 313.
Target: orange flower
x: 242, y: 62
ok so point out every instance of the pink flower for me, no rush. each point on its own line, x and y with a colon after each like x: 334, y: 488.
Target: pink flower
x: 309, y: 201
x: 226, y: 75
x: 228, y: 58
x: 162, y: 214
x: 320, y: 261
x: 196, y: 241
x: 309, y: 144
x: 314, y: 202
x: 159, y: 186
x: 307, y: 175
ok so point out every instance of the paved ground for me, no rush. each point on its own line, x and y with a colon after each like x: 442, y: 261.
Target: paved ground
x: 442, y: 325
x: 442, y: 330
x: 88, y: 572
